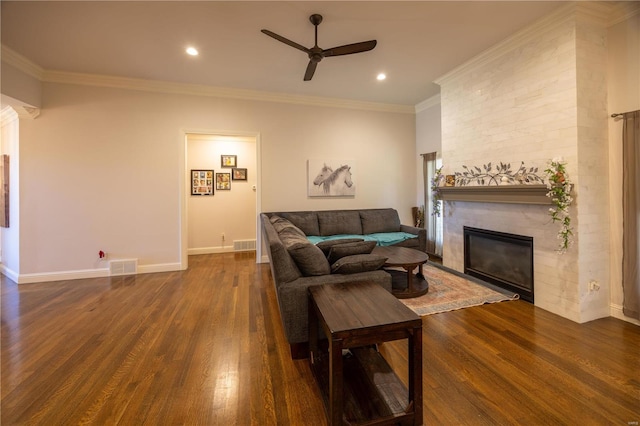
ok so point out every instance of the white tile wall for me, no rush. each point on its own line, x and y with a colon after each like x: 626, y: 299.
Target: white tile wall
x: 542, y: 97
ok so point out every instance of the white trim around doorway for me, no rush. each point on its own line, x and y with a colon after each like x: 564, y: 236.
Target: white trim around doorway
x: 185, y: 189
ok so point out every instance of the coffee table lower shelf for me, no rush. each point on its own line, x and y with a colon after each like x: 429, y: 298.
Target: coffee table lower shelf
x: 372, y: 392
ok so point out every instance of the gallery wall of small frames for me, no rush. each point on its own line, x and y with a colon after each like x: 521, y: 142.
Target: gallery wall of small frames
x: 207, y: 181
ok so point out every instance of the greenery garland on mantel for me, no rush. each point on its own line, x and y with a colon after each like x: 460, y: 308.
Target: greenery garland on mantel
x: 502, y: 175
x: 556, y: 178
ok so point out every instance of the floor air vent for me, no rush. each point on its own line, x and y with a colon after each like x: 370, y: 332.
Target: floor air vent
x: 244, y: 245
x: 123, y: 267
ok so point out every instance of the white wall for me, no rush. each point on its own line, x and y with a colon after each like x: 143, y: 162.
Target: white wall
x: 19, y: 85
x: 428, y: 138
x: 101, y: 169
x: 623, y: 84
x: 231, y: 212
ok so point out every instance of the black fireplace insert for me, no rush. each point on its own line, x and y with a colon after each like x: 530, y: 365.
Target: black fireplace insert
x: 502, y: 259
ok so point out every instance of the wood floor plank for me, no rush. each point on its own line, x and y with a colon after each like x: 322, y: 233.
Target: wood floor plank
x: 206, y: 347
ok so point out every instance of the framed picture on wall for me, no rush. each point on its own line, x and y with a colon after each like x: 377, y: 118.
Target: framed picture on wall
x: 331, y: 178
x: 229, y: 160
x: 238, y: 174
x: 223, y: 181
x: 201, y: 182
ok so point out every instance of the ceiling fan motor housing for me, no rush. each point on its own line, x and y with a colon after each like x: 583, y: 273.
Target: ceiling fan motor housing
x: 315, y: 54
x: 315, y: 19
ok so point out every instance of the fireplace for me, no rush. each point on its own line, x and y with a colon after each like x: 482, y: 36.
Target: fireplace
x: 505, y: 260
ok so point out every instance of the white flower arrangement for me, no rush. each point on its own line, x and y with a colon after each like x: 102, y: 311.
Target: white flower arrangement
x: 559, y: 187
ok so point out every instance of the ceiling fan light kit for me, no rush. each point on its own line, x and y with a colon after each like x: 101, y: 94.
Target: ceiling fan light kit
x: 316, y: 54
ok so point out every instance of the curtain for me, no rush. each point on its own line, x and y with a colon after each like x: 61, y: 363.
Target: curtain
x: 630, y: 213
x: 433, y: 224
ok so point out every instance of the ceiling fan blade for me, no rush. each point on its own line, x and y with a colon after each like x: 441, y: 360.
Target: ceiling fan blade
x: 348, y: 49
x: 311, y: 68
x: 285, y: 40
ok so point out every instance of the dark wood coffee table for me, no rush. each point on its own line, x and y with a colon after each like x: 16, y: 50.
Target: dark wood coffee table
x: 360, y: 387
x: 405, y: 284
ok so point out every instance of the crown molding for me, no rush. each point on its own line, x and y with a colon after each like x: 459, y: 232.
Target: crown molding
x: 622, y: 11
x: 20, y: 62
x: 14, y: 112
x: 595, y: 13
x: 51, y: 76
x: 25, y: 111
x: 64, y: 77
x: 591, y: 12
x: 7, y: 115
x: 428, y: 103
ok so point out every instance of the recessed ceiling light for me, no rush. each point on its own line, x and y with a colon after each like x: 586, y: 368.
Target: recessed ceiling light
x: 192, y: 51
x: 381, y: 76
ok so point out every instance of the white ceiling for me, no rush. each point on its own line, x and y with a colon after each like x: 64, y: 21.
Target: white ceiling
x: 417, y: 41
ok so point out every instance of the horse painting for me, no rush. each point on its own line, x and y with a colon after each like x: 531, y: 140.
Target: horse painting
x: 333, y: 183
x: 324, y: 174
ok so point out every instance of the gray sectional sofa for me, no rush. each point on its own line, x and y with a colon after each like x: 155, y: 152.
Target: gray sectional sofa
x: 308, y: 248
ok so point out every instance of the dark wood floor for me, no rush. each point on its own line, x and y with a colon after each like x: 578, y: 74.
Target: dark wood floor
x: 205, y: 347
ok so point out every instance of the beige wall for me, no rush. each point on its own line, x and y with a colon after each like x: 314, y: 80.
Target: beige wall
x: 102, y: 169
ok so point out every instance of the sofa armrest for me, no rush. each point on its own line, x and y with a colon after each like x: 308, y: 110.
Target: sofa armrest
x: 293, y: 299
x: 283, y: 268
x: 420, y: 232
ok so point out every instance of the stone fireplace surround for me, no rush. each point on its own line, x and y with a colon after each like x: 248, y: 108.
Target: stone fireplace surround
x: 540, y: 94
x: 553, y: 276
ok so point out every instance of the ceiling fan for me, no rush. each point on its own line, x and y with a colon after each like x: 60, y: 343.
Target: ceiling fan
x: 316, y: 54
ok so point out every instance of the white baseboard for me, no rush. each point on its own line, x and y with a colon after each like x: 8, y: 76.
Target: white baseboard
x: 161, y: 267
x: 210, y: 250
x: 82, y: 274
x: 264, y: 258
x: 62, y: 275
x: 9, y: 273
x: 616, y: 312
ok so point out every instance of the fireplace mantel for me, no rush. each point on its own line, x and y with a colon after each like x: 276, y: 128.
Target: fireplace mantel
x: 511, y: 194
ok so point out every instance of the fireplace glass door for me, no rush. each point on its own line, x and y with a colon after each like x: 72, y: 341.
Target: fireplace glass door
x: 505, y: 260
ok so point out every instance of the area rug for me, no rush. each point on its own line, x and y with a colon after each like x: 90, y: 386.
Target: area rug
x: 450, y: 290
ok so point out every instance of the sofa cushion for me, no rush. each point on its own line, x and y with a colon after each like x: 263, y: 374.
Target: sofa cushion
x: 325, y: 246
x: 339, y: 251
x: 379, y: 220
x: 283, y: 225
x: 308, y: 258
x: 358, y: 263
x: 306, y: 221
x: 334, y: 222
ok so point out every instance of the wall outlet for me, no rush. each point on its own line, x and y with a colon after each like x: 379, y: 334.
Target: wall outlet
x: 594, y: 285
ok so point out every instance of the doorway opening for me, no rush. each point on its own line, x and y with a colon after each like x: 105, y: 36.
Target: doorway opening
x: 221, y: 204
